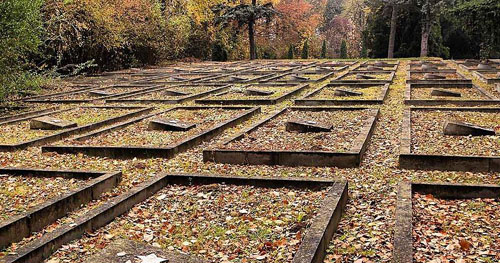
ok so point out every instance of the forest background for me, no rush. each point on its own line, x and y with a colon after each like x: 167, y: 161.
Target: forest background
x: 45, y: 39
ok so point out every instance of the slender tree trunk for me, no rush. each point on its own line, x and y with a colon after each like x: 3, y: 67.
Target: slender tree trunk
x: 392, y: 36
x: 424, y: 45
x: 251, y: 37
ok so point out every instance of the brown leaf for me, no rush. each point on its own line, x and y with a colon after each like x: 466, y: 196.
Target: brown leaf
x: 465, y: 245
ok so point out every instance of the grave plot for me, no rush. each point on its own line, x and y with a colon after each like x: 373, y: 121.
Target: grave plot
x: 489, y: 77
x: 274, y: 219
x: 31, y: 199
x: 171, y: 94
x: 477, y: 65
x: 457, y: 94
x: 459, y: 139
x: 345, y: 94
x: 436, y: 77
x: 237, y: 78
x: 20, y: 133
x: 179, y: 78
x: 255, y: 94
x: 305, y: 76
x: 365, y: 77
x: 160, y: 135
x: 453, y: 222
x: 377, y: 66
x: 271, y: 69
x: 15, y: 113
x: 53, y: 90
x: 338, y: 64
x: 94, y: 94
x: 431, y: 66
x: 301, y: 136
x: 320, y: 69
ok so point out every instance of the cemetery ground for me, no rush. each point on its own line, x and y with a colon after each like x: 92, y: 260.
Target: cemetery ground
x: 185, y: 205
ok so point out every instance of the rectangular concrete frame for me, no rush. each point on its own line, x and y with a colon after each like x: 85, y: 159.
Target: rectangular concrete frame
x: 492, y: 100
x: 339, y: 79
x: 37, y: 97
x: 403, y: 231
x: 349, y: 159
x: 213, y: 99
x: 462, y: 78
x: 37, y: 113
x: 54, y: 98
x: 362, y: 67
x: 310, y: 70
x: 128, y: 152
x: 130, y: 98
x: 153, y: 80
x: 276, y: 79
x: 416, y: 69
x: 72, y: 131
x: 308, y: 101
x: 468, y: 163
x: 312, y: 249
x: 18, y: 227
x: 259, y: 77
x: 483, y: 78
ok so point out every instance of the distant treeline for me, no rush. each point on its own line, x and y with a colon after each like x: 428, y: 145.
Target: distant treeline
x: 41, y: 38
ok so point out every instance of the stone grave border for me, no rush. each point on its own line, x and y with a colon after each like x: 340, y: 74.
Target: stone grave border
x: 72, y: 131
x: 487, y: 80
x: 492, y: 100
x: 77, y: 88
x: 258, y: 77
x: 308, y: 101
x: 439, y: 70
x: 131, y: 98
x: 312, y: 249
x: 213, y: 99
x: 34, y: 113
x: 57, y: 99
x: 128, y: 152
x: 349, y: 159
x: 35, y: 219
x: 339, y: 79
x: 469, y: 163
x: 463, y: 78
x: 362, y: 67
x: 403, y: 231
x: 277, y: 78
x: 153, y: 80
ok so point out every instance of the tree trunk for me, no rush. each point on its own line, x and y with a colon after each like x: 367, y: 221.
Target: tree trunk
x: 251, y: 37
x: 392, y: 36
x: 424, y: 45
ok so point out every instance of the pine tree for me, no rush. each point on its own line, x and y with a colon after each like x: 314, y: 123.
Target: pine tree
x: 343, y: 49
x: 290, y: 52
x: 305, y: 50
x: 323, y: 49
